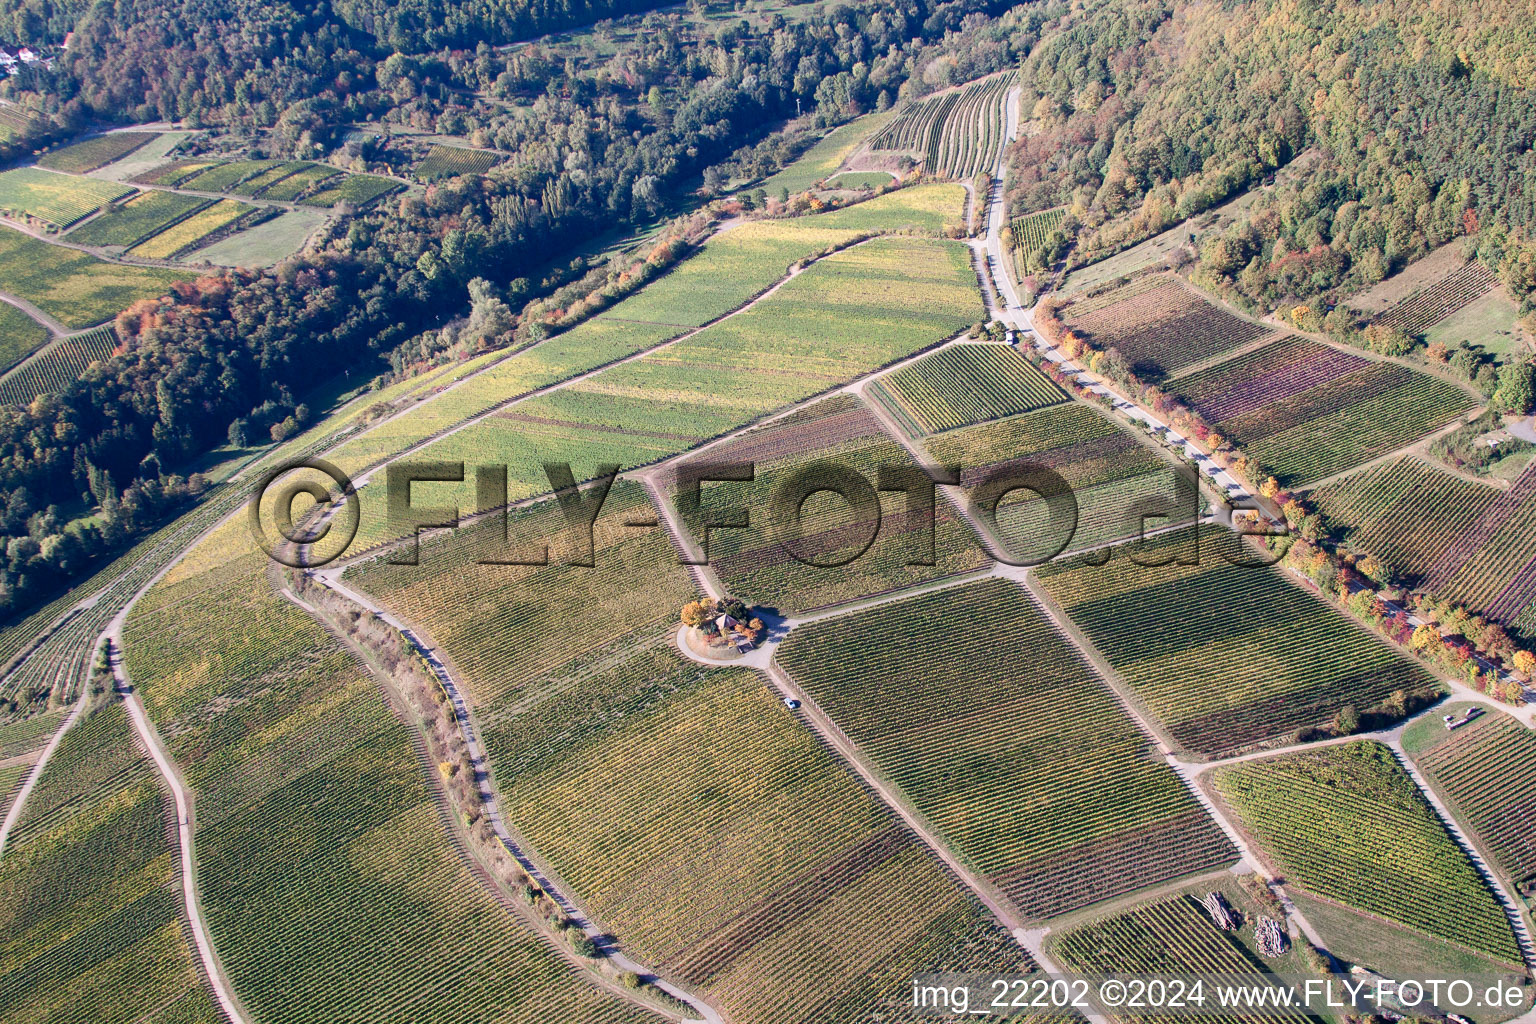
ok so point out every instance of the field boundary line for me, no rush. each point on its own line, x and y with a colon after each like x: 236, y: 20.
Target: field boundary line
x: 13, y: 815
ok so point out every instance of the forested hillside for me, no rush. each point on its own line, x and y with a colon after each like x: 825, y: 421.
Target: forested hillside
x: 1149, y: 112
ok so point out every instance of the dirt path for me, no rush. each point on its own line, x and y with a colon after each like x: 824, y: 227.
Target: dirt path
x: 150, y: 739
x: 14, y: 814
x: 43, y: 319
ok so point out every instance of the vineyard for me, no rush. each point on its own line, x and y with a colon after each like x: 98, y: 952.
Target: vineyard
x: 358, y: 904
x: 450, y: 161
x: 1160, y: 326
x: 1032, y: 230
x: 74, y: 288
x: 961, y: 385
x: 1272, y: 374
x: 300, y: 182
x: 1490, y: 567
x: 87, y: 887
x: 848, y: 314
x: 54, y: 370
x: 758, y: 568
x: 1488, y: 770
x: 89, y: 154
x: 1173, y: 936
x: 20, y: 336
x: 957, y: 133
x: 1348, y: 824
x: 1225, y: 655
x: 1307, y: 411
x: 1427, y: 307
x: 813, y: 903
x: 357, y: 190
x: 58, y: 200
x: 1409, y: 515
x: 1027, y: 765
x: 1107, y: 468
x: 504, y: 625
x: 185, y: 234
x: 132, y: 222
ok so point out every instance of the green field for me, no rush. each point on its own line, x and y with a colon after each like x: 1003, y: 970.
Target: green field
x: 1488, y: 770
x: 57, y: 199
x: 1227, y: 656
x: 20, y: 336
x: 449, y: 161
x: 758, y: 567
x: 961, y: 385
x: 1347, y: 823
x: 1107, y: 469
x: 221, y: 177
x: 91, y: 916
x: 357, y: 190
x: 185, y: 234
x: 358, y: 904
x: 1028, y: 766
x: 1487, y: 322
x: 267, y: 242
x: 862, y: 180
x: 299, y: 182
x: 129, y: 223
x: 76, y: 289
x: 89, y: 154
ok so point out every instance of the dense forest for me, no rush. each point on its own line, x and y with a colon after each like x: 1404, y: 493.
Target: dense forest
x: 1149, y: 112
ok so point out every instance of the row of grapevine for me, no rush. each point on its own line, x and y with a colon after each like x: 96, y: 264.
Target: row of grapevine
x: 1033, y: 229
x: 89, y: 887
x: 1172, y: 936
x: 1488, y: 770
x: 1427, y: 307
x: 1408, y: 514
x: 961, y: 385
x: 1226, y: 655
x: 1107, y: 469
x: 622, y: 778
x: 1164, y: 328
x: 758, y: 565
x: 504, y: 625
x: 1027, y: 765
x: 958, y: 133
x: 1345, y: 422
x: 1348, y: 824
x: 56, y: 368
x: 1274, y: 373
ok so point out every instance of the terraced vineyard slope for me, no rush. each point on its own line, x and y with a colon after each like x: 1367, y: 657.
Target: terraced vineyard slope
x: 1003, y: 738
x: 957, y: 133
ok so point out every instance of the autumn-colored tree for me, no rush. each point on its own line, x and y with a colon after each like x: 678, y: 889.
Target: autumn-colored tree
x: 696, y: 613
x: 1427, y: 640
x: 1269, y: 488
x: 1525, y: 663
